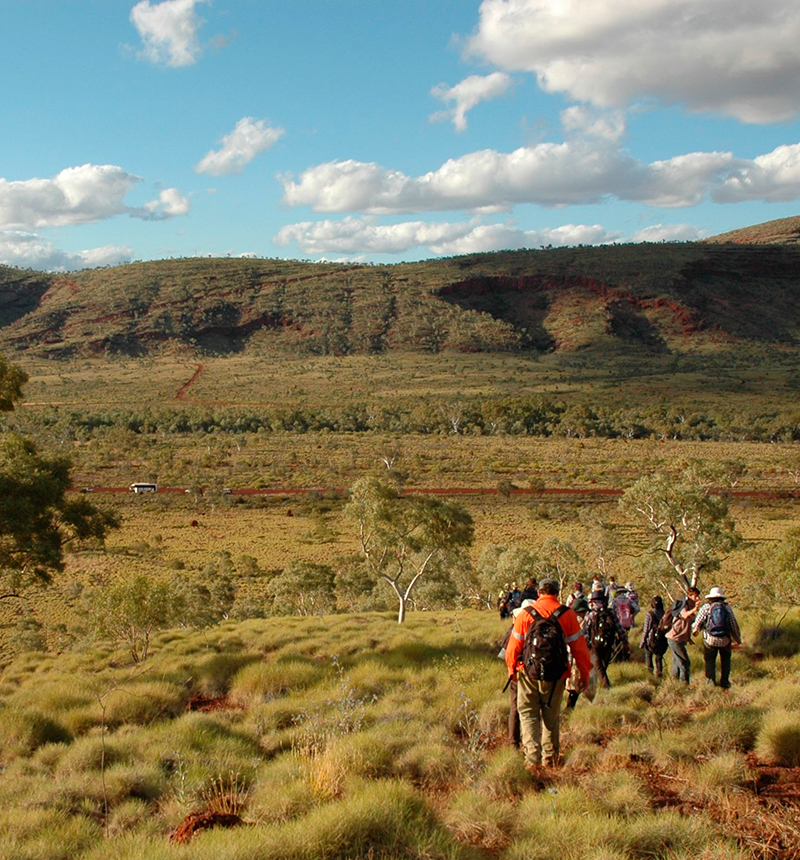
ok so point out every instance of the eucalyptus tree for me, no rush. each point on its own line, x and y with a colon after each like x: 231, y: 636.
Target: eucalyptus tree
x: 405, y: 538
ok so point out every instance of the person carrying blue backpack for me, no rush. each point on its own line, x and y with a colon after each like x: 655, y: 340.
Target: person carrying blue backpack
x: 720, y: 634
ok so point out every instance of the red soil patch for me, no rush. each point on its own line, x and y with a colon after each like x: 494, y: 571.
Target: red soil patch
x: 766, y: 821
x: 195, y: 822
x: 775, y: 783
x: 211, y: 703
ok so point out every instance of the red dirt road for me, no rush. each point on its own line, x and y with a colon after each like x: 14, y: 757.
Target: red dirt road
x: 181, y: 393
x: 783, y: 495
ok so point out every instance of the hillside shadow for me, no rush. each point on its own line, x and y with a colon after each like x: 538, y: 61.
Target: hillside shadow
x: 521, y: 301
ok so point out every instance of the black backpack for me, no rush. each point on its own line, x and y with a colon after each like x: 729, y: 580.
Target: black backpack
x: 544, y: 651
x: 656, y: 641
x: 604, y: 635
x: 719, y: 625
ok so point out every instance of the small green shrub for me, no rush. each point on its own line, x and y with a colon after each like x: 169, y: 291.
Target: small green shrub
x: 627, y: 672
x: 580, y: 756
x: 91, y: 752
x: 783, y: 641
x: 778, y: 741
x: 493, y: 716
x: 634, y: 695
x: 429, y: 764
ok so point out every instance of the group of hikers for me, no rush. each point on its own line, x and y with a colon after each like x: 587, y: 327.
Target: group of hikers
x: 554, y: 647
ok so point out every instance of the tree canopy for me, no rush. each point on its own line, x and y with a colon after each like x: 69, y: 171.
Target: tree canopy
x: 406, y: 537
x: 37, y: 519
x: 684, y: 520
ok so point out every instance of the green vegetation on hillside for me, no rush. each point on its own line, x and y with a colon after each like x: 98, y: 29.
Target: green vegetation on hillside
x: 650, y: 299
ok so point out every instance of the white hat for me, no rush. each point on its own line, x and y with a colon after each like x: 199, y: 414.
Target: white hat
x: 717, y: 592
x: 526, y: 602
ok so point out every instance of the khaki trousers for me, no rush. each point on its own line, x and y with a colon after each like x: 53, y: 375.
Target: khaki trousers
x: 539, y: 708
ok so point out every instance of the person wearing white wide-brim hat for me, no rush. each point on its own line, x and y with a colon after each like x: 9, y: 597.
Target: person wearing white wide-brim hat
x: 720, y: 635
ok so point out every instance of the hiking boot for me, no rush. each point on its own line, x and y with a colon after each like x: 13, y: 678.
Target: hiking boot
x: 541, y: 776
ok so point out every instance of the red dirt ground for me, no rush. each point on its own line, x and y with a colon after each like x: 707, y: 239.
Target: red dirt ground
x: 195, y: 822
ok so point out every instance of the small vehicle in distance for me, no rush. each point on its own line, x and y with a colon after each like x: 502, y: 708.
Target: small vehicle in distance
x: 142, y: 487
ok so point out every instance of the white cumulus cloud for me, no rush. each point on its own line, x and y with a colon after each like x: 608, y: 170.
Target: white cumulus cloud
x: 366, y: 236
x: 78, y: 195
x: 578, y: 171
x: 25, y: 250
x: 240, y: 147
x: 735, y: 57
x: 774, y: 176
x: 668, y: 233
x: 168, y: 31
x: 467, y: 94
x: 169, y: 204
x: 580, y: 121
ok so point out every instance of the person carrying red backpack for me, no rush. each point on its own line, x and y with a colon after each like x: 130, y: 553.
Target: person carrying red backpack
x: 536, y: 657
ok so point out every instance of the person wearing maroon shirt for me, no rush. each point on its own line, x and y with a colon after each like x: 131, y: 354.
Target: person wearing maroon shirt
x: 539, y: 702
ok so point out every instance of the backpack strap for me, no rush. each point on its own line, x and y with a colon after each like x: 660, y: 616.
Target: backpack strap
x: 532, y: 612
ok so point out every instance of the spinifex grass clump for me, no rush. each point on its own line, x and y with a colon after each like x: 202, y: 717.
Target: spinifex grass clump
x: 262, y: 681
x: 345, y: 737
x: 23, y: 731
x: 722, y: 772
x: 779, y: 739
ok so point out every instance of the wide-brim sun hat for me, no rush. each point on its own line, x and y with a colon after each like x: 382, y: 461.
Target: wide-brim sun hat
x: 715, y: 592
x: 525, y: 603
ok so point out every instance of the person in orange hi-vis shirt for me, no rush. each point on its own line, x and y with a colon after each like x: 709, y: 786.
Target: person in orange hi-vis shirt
x: 539, y: 702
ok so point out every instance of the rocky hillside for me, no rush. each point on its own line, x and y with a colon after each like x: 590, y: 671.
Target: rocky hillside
x: 640, y: 298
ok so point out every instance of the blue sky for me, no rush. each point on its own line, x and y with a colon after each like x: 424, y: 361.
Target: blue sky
x: 354, y: 130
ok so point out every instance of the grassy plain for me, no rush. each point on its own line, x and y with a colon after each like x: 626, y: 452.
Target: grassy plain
x: 752, y: 377
x: 157, y: 535
x: 348, y: 736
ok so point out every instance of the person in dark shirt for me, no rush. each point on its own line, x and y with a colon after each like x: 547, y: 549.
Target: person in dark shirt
x: 653, y: 641
x: 604, y: 634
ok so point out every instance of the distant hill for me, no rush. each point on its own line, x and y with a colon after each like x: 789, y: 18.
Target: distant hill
x: 783, y: 231
x: 644, y: 299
